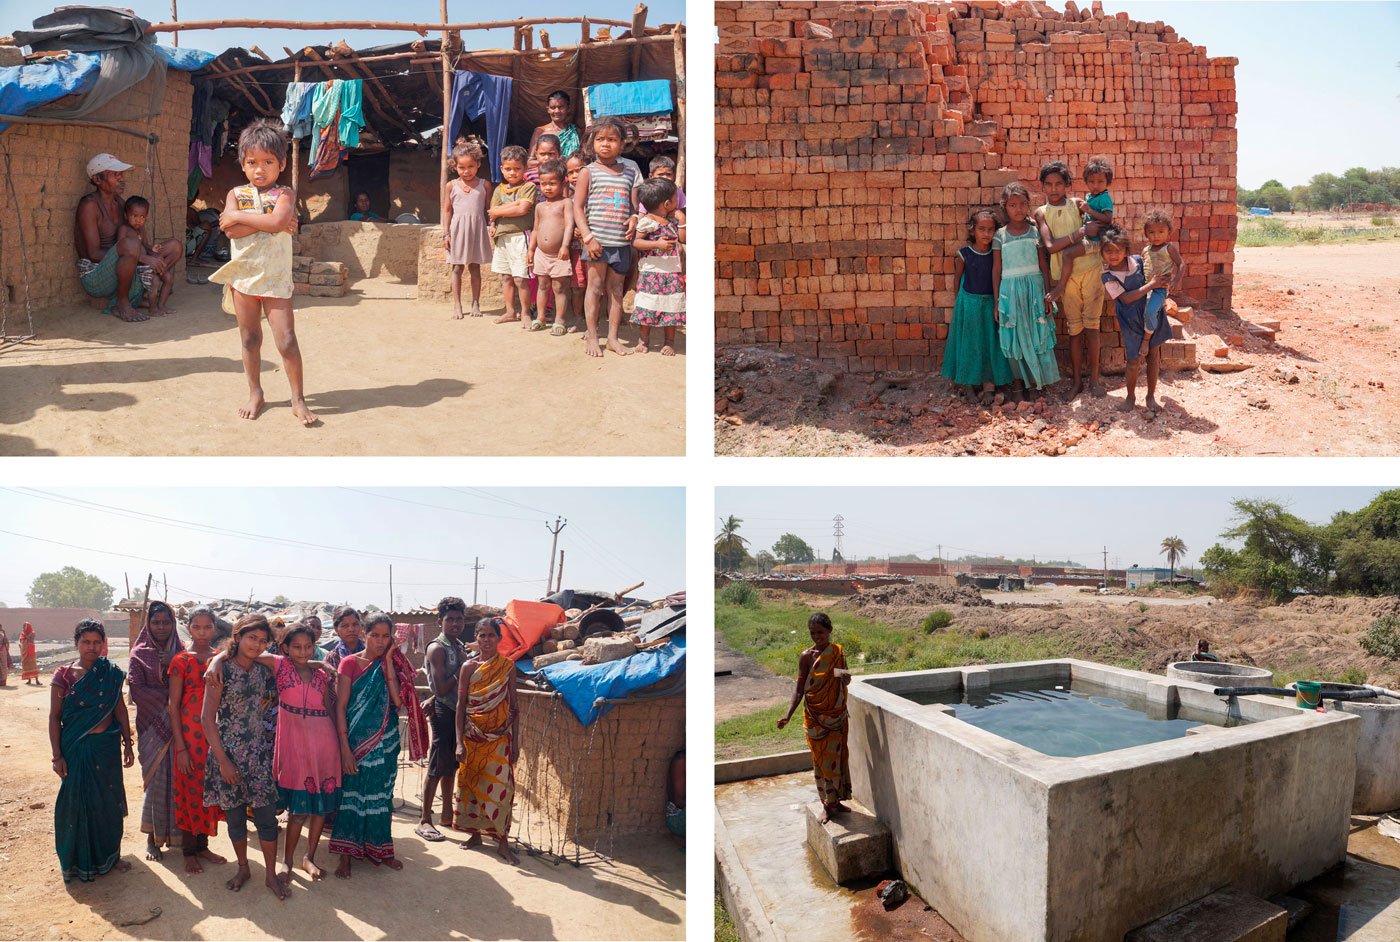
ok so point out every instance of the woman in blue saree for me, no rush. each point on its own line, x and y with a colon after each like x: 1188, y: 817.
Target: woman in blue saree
x: 372, y: 685
x: 87, y: 817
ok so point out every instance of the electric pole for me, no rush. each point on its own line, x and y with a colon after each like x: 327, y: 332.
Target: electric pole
x: 838, y: 524
x: 391, y: 587
x: 1105, y: 567
x: 559, y: 524
x: 476, y: 567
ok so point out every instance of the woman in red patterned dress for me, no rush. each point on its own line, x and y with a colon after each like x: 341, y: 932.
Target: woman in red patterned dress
x: 195, y: 821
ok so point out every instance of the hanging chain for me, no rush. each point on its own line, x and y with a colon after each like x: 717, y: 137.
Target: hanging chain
x: 5, y: 337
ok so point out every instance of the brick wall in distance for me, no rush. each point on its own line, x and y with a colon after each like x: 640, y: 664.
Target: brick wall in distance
x: 848, y: 165
x: 48, y: 166
x: 593, y: 781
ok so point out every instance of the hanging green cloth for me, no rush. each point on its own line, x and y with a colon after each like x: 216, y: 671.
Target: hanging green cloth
x: 352, y: 111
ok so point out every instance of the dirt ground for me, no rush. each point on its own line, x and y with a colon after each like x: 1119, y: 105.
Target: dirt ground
x: 385, y: 376
x: 1329, y: 384
x: 1309, y: 632
x: 443, y: 892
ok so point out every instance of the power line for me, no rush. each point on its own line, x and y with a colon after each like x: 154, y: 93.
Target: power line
x: 419, y: 503
x: 211, y: 528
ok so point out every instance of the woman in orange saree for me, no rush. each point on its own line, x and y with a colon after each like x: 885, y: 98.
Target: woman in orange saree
x: 822, y: 678
x: 487, y: 723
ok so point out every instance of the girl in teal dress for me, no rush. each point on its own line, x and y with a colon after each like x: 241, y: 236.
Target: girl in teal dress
x: 971, y: 357
x: 1025, y: 319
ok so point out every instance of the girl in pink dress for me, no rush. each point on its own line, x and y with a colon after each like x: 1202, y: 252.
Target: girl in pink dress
x: 464, y: 232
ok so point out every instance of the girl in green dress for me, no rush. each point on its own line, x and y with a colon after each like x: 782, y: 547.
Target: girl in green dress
x: 1025, y: 319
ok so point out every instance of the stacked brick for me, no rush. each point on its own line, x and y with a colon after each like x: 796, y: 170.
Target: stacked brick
x: 318, y: 279
x: 47, y: 167
x: 599, y: 781
x: 852, y: 141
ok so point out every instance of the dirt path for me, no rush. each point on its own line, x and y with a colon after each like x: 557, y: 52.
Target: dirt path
x: 443, y: 892
x: 387, y: 377
x: 748, y: 687
x: 1328, y: 385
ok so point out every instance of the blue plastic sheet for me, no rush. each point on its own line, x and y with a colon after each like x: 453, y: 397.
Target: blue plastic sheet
x: 26, y: 87
x: 581, y: 684
x: 619, y: 98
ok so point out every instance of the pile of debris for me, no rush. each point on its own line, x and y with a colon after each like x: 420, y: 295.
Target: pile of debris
x: 906, y: 606
x: 601, y: 628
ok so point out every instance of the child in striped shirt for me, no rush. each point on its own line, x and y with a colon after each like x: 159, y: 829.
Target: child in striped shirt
x: 602, y: 207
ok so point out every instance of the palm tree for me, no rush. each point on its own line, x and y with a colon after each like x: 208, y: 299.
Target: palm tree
x: 729, y: 544
x: 1174, y: 548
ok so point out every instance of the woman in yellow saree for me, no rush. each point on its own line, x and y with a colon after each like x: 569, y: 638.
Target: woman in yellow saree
x: 487, y: 723
x: 822, y: 678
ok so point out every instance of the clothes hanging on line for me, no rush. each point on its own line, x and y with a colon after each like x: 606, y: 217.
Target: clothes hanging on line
x: 296, y: 109
x: 337, y: 111
x: 475, y: 94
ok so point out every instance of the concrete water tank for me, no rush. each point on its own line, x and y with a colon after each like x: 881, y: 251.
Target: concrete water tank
x: 1220, y: 674
x: 1377, y: 750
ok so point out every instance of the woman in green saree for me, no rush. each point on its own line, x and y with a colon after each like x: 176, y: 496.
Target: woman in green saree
x: 373, y: 685
x: 87, y: 817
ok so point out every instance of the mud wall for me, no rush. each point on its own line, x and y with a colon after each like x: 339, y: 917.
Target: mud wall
x: 48, y: 168
x: 847, y: 165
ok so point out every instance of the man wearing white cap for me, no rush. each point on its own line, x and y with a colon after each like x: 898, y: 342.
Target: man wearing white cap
x: 107, y: 268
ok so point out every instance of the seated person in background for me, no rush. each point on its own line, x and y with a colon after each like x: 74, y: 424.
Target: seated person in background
x: 203, y: 239
x: 152, y: 268
x: 362, y: 211
x: 1203, y: 652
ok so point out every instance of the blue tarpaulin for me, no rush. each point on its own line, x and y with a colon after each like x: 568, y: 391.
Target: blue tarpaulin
x: 26, y: 87
x: 581, y: 684
x: 619, y: 98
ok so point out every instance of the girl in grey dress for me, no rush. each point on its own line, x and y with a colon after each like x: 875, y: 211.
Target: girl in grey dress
x: 464, y: 228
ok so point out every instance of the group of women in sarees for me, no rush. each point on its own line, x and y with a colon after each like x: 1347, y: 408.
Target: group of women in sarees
x: 261, y: 726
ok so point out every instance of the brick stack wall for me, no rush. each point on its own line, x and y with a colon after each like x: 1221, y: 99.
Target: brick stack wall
x: 599, y: 780
x: 48, y: 165
x: 847, y: 165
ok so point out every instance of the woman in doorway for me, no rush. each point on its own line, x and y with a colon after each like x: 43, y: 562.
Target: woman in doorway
x: 561, y: 124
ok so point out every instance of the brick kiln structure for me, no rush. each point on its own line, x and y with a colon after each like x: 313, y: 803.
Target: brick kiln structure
x: 847, y: 165
x: 47, y: 165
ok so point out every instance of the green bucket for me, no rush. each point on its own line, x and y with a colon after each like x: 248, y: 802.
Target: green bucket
x: 1309, y: 694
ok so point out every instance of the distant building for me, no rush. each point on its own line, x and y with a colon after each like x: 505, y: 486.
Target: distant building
x: 1138, y: 578
x: 50, y: 624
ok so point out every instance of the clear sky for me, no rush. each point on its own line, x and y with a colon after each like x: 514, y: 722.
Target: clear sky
x: 1318, y: 83
x: 1029, y: 522
x: 18, y: 14
x: 615, y: 537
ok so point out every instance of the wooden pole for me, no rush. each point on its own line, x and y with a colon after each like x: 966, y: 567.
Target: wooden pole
x: 678, y: 40
x: 639, y: 26
x: 296, y: 142
x: 422, y: 57
x: 560, y: 583
x: 175, y: 15
x: 420, y: 28
x: 446, y: 114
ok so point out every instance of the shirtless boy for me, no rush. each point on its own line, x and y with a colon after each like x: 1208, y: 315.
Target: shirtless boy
x: 134, y: 227
x: 549, y: 244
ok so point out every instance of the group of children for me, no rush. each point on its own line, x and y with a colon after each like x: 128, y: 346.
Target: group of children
x: 562, y: 235
x: 562, y: 232
x: 1003, y: 328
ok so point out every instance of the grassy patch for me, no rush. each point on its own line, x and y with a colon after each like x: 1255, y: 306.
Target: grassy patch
x: 1259, y: 232
x: 775, y: 634
x: 724, y: 926
x: 756, y: 734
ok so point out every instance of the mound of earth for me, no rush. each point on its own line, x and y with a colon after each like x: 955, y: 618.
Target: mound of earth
x: 905, y: 606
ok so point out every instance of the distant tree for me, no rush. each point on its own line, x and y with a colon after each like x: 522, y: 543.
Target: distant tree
x: 791, y: 548
x: 280, y: 600
x: 764, y: 560
x: 1274, y: 196
x: 1367, y: 547
x: 1173, y: 547
x: 70, y: 587
x: 1301, y: 197
x: 730, y: 551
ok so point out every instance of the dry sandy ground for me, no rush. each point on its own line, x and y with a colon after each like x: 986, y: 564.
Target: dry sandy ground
x: 386, y: 377
x: 443, y: 892
x: 1328, y: 385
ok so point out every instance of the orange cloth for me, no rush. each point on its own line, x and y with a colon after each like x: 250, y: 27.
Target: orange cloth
x: 824, y: 720
x: 525, y: 624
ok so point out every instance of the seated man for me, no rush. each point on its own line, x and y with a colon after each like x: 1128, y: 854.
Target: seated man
x: 107, y: 266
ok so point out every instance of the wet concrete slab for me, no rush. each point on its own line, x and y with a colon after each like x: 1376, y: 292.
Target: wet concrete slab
x: 1359, y: 901
x: 765, y: 823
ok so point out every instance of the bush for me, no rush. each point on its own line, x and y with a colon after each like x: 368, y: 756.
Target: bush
x: 739, y: 593
x: 936, y: 620
x: 981, y: 634
x: 880, y: 651
x: 1142, y: 606
x: 1354, y: 675
x: 1382, y: 220
x: 1382, y: 639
